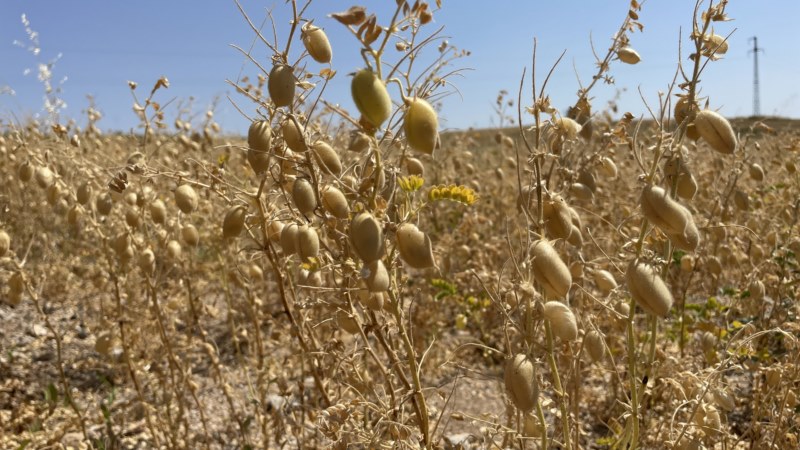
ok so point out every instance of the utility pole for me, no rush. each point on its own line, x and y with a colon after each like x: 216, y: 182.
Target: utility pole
x: 756, y: 97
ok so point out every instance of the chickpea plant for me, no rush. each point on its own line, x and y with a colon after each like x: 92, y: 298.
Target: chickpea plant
x: 360, y: 278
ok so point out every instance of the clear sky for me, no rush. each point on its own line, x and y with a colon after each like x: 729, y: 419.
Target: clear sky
x: 106, y: 43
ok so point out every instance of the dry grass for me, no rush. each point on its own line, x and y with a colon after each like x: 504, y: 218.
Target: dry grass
x: 329, y: 283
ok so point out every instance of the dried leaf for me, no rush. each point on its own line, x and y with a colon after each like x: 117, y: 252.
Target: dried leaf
x: 363, y: 28
x: 425, y: 15
x: 373, y: 30
x: 327, y: 73
x: 353, y: 16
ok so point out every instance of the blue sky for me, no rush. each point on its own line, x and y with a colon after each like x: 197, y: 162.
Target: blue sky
x: 106, y: 43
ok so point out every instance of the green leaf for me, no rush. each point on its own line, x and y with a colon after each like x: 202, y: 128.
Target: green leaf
x: 106, y: 412
x: 51, y: 397
x: 676, y: 257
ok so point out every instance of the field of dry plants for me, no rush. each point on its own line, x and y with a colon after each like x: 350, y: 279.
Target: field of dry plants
x: 354, y: 279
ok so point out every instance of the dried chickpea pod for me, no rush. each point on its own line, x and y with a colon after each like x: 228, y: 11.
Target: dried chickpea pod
x: 366, y: 236
x: 711, y: 424
x: 714, y: 45
x: 756, y: 289
x: 254, y: 272
x: 557, y: 216
x: 576, y: 269
x: 190, y: 235
x: 708, y: 342
x: 351, y: 183
x: 628, y: 55
x: 5, y: 243
x: 103, y: 343
x: 521, y: 383
x: 663, y: 211
x: 259, y: 135
x: 259, y: 141
x: 327, y: 158
x: 368, y: 177
x: 44, y: 177
x: 716, y: 130
x: 132, y: 218
x: 158, y: 211
x: 684, y: 111
x: 233, y: 223
x: 791, y: 399
x: 293, y: 136
x: 756, y: 172
x: 724, y: 399
x: 280, y: 85
x: 773, y: 377
x: 415, y: 246
x: 25, y: 172
x: 307, y: 242
x: 608, y: 167
x: 334, y: 201
x: 688, y: 240
x: 289, y: 164
x: 741, y: 200
x: 623, y: 311
x: 147, y: 261
x: 371, y: 97
x: 16, y: 286
x: 687, y: 263
x: 347, y: 322
x: 53, y: 194
x: 648, y: 289
x: 174, y: 250
x: 605, y: 281
x: 289, y: 239
x: 131, y: 198
x: 531, y: 427
x: 311, y: 278
x: 586, y: 177
x: 359, y: 142
x: 120, y: 242
x: 581, y: 191
x: 186, y: 198
x: 575, y: 217
x: 316, y: 43
x: 274, y: 229
x: 594, y: 345
x: 562, y: 320
x: 303, y: 195
x: 575, y: 237
x: 677, y: 172
x: 421, y: 126
x: 687, y: 186
x: 375, y: 300
x: 415, y: 167
x: 549, y: 270
x: 567, y: 128
x: 376, y: 276
x: 84, y: 193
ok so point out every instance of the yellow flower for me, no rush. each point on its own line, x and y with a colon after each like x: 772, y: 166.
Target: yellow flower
x: 411, y: 183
